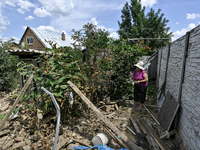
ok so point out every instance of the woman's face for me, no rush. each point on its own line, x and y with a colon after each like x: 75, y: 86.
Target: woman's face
x: 137, y: 69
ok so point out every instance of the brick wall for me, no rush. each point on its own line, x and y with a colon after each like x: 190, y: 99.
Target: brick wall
x: 36, y: 43
x: 189, y: 117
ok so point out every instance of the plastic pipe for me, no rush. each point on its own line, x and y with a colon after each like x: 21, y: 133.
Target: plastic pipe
x: 129, y: 129
x: 151, y: 115
x: 58, y: 114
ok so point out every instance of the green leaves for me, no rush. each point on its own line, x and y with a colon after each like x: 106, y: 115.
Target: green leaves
x: 63, y: 87
x: 58, y: 94
x: 134, y: 24
x: 8, y: 67
x: 39, y: 78
x: 24, y: 73
x: 61, y: 79
x: 15, y: 111
x: 2, y: 116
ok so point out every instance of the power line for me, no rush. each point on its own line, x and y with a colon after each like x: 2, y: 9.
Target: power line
x: 150, y: 39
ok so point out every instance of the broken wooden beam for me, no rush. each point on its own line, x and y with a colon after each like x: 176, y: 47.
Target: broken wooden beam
x: 130, y: 143
x: 17, y: 101
x: 63, y: 143
x: 161, y: 144
x: 154, y: 106
x: 146, y: 133
x: 135, y: 125
x: 119, y: 141
x: 154, y: 144
x: 81, y: 142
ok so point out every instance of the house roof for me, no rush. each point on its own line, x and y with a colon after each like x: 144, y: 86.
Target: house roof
x: 24, y: 51
x: 47, y: 36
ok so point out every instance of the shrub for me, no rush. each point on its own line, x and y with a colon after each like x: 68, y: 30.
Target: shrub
x: 8, y: 67
x: 58, y: 65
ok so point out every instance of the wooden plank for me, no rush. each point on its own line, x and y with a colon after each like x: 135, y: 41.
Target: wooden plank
x: 119, y: 141
x: 154, y: 106
x: 135, y: 125
x: 63, y: 143
x: 147, y: 134
x: 130, y: 143
x: 161, y: 144
x: 81, y: 143
x: 17, y: 101
x: 108, y: 108
x: 154, y: 144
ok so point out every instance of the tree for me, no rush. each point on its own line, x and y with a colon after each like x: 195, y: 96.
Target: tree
x: 156, y: 27
x: 95, y: 42
x: 136, y: 25
x: 133, y: 19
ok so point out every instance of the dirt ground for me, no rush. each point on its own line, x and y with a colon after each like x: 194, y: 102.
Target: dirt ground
x: 30, y: 131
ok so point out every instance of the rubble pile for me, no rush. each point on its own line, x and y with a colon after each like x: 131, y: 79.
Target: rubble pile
x: 35, y: 130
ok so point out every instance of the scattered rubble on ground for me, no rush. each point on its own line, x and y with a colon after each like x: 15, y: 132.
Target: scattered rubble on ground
x: 32, y: 130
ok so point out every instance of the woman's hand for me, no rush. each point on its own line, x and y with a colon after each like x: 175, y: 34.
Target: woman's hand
x: 137, y: 82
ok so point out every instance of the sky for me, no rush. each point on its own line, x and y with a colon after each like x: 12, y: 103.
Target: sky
x: 64, y: 15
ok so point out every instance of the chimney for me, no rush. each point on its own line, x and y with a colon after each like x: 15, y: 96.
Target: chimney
x: 63, y: 36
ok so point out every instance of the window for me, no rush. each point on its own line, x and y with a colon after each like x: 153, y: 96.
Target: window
x: 29, y: 40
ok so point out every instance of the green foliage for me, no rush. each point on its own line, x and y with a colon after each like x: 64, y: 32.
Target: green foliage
x: 105, y: 71
x: 135, y: 24
x: 152, y: 93
x: 133, y: 20
x: 108, y: 64
x: 56, y: 67
x: 95, y: 43
x: 7, y: 66
x: 156, y: 26
x: 123, y: 57
x: 2, y: 116
x: 151, y: 89
x: 15, y: 111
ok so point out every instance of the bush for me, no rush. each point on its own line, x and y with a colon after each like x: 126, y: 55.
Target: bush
x: 55, y: 69
x: 8, y: 67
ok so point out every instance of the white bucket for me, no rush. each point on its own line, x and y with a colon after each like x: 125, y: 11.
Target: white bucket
x: 101, y: 138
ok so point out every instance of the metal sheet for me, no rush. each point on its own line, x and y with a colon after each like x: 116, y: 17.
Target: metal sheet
x: 45, y: 36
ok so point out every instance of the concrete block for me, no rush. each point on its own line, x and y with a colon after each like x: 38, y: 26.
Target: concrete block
x: 197, y: 143
x: 193, y: 144
x: 196, y: 129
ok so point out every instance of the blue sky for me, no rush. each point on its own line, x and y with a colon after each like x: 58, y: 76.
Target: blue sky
x: 65, y: 15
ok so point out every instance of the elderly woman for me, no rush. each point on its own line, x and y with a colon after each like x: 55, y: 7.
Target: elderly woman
x: 140, y: 80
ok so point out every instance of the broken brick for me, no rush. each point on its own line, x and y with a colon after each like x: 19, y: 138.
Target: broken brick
x: 19, y: 139
x: 18, y: 145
